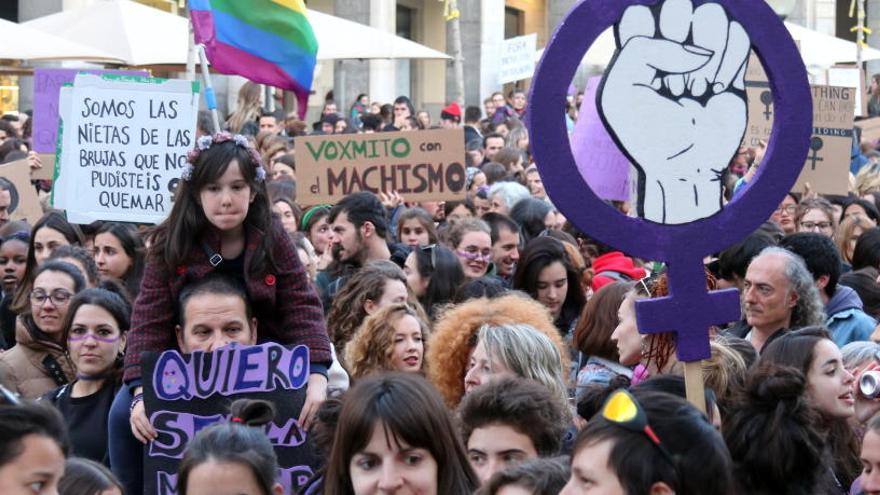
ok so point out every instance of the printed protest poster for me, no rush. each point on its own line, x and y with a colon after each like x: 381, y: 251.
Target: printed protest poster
x: 827, y: 165
x: 123, y: 146
x: 420, y: 166
x: 47, y: 83
x: 517, y: 59
x: 184, y: 393
x: 600, y: 162
x: 24, y: 204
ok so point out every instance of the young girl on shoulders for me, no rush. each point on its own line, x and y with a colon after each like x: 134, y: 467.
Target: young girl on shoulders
x: 222, y: 221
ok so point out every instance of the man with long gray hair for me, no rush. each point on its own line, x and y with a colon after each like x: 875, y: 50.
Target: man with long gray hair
x: 778, y: 294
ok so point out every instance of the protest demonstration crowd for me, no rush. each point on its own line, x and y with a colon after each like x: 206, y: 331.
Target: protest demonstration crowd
x: 309, y: 314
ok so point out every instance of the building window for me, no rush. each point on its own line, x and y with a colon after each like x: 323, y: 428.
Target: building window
x: 406, y: 18
x: 514, y: 22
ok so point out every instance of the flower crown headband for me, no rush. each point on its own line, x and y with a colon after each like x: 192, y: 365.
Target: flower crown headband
x: 206, y: 142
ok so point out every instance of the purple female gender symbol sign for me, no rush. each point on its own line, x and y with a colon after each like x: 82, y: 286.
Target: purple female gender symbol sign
x: 690, y: 309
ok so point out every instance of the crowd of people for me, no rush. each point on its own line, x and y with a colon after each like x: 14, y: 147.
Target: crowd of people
x: 484, y: 346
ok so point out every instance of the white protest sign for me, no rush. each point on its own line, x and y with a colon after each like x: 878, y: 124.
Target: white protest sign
x: 849, y: 77
x: 123, y: 146
x: 517, y: 58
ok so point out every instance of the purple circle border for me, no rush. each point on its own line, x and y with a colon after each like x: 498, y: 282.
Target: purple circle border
x: 786, y: 153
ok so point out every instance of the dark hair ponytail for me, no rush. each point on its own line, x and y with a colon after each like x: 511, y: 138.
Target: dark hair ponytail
x: 772, y: 436
x: 239, y: 441
x: 252, y: 412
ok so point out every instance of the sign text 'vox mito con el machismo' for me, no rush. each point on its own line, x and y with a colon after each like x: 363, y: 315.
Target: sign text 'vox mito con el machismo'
x: 419, y: 165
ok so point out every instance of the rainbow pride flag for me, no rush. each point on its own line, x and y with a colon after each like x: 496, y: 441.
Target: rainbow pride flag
x: 267, y: 41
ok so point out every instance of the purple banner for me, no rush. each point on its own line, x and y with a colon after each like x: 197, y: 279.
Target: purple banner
x: 185, y: 393
x: 47, y: 83
x: 600, y: 162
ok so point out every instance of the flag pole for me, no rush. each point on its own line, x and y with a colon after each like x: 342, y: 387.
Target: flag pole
x: 191, y: 55
x: 210, y: 98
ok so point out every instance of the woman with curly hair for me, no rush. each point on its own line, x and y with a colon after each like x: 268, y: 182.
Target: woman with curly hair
x: 454, y: 338
x: 376, y: 285
x: 393, y: 339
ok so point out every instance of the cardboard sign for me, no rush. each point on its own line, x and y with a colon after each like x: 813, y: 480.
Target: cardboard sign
x: 47, y: 83
x: 123, y: 146
x: 420, y: 165
x: 827, y: 165
x: 184, y: 393
x: 25, y: 203
x: 870, y: 129
x: 600, y: 161
x: 517, y: 58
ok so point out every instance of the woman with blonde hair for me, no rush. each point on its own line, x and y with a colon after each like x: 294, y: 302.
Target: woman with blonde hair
x: 848, y: 233
x: 247, y: 108
x: 393, y: 339
x: 516, y: 350
x: 455, y: 337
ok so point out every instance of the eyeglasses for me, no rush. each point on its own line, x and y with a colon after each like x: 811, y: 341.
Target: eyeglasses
x: 790, y: 209
x: 816, y: 225
x: 474, y: 255
x: 430, y: 249
x: 59, y: 297
x: 624, y: 410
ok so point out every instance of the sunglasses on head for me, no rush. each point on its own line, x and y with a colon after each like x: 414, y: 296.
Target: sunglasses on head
x: 624, y: 410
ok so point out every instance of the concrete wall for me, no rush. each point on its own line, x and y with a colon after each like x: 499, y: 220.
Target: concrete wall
x: 471, y: 34
x: 350, y: 77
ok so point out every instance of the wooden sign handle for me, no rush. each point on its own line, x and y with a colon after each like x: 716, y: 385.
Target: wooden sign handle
x: 693, y: 382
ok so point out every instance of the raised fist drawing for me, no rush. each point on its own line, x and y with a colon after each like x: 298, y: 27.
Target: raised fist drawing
x: 675, y: 102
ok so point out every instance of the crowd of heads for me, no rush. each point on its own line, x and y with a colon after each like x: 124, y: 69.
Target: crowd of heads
x: 484, y: 345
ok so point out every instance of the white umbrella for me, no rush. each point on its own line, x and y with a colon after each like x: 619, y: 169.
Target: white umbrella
x: 134, y: 33
x: 25, y: 43
x: 142, y: 35
x: 343, y: 39
x: 817, y: 49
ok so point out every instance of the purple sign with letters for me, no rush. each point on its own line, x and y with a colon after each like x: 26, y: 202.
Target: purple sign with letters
x: 47, y: 83
x: 673, y: 100
x: 188, y: 392
x: 598, y: 158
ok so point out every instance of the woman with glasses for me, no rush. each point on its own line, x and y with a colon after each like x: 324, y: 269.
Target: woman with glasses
x: 816, y: 215
x: 433, y: 274
x: 785, y: 214
x: 94, y: 335
x: 644, y: 442
x: 38, y: 363
x: 471, y: 240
